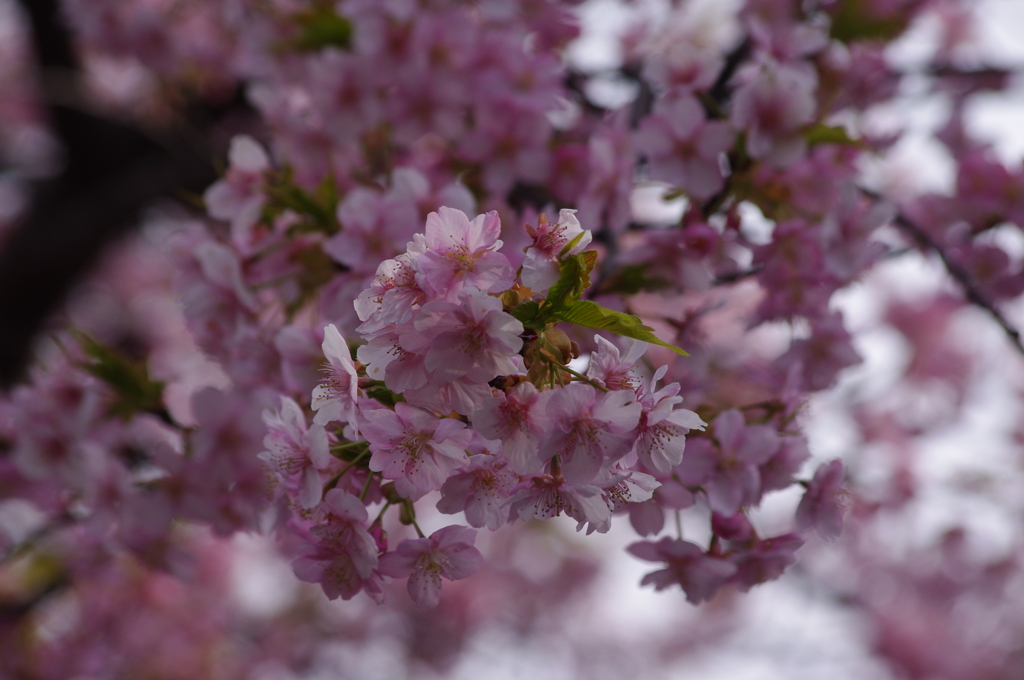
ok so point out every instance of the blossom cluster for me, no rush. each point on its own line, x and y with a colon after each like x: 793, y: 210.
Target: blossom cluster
x: 454, y: 396
x: 385, y: 310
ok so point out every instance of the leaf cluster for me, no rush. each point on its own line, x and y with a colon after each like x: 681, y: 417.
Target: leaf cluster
x: 317, y: 209
x: 135, y: 392
x: 564, y: 303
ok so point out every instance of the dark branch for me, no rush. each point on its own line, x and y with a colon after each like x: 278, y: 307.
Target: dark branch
x: 971, y: 291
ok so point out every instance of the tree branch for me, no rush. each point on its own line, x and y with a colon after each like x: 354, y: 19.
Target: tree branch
x: 971, y: 291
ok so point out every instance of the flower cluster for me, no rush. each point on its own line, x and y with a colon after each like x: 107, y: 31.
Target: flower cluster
x: 464, y: 415
x: 335, y: 347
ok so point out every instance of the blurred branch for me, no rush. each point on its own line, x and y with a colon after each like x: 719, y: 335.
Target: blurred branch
x: 111, y: 170
x: 733, y: 277
x: 720, y: 92
x: 971, y: 291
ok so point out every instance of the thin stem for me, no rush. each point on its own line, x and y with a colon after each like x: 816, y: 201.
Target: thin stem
x: 348, y: 446
x: 380, y: 514
x: 679, y: 525
x: 927, y: 242
x: 333, y: 481
x: 581, y: 377
x: 366, y: 487
x: 418, y: 530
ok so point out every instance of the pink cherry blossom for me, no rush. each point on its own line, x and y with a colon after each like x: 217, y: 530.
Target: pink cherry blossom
x: 611, y: 367
x: 448, y: 553
x: 624, y: 490
x: 512, y: 139
x: 462, y: 253
x: 131, y: 454
x: 374, y: 227
x: 343, y: 556
x: 540, y: 268
x: 239, y: 197
x: 296, y: 451
x: 473, y: 339
x: 765, y: 561
x: 662, y: 428
x: 386, y: 358
x: 411, y: 443
x: 682, y: 148
x: 773, y: 102
x: 393, y: 294
x: 730, y: 473
x: 589, y: 429
x: 461, y: 396
x: 335, y: 399
x: 545, y: 496
x: 480, y: 490
x: 824, y: 502
x: 686, y: 565
x: 517, y: 419
x: 824, y: 354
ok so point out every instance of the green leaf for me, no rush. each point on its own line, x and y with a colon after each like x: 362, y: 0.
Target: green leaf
x: 318, y: 207
x: 528, y: 314
x: 135, y: 392
x: 592, y: 315
x: 319, y: 27
x: 853, y: 20
x: 828, y: 134
x: 382, y: 394
x: 574, y: 279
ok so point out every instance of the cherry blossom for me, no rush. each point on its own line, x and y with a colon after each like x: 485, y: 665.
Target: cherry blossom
x: 474, y: 339
x: 686, y: 565
x: 461, y: 253
x: 540, y: 268
x: 661, y: 430
x: 517, y: 418
x: 824, y: 502
x: 414, y: 444
x: 293, y: 450
x: 589, y: 429
x: 682, y: 148
x: 546, y: 496
x: 239, y: 197
x: 395, y: 207
x: 480, y: 489
x: 448, y: 553
x: 336, y: 398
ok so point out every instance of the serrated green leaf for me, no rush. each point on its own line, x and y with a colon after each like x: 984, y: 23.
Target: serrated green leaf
x: 592, y: 315
x: 828, y: 134
x: 588, y: 258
